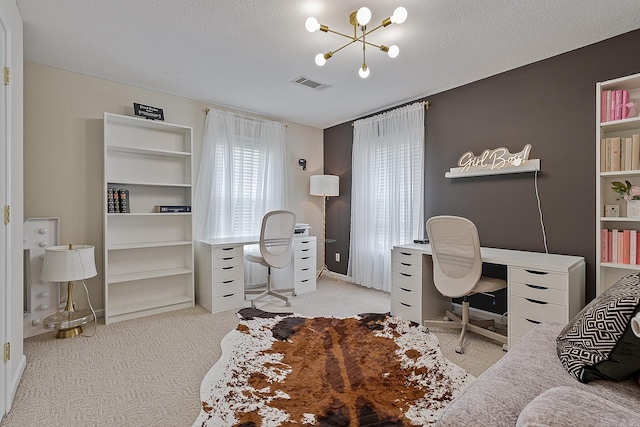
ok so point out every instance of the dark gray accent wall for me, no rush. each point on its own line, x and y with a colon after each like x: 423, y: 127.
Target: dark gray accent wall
x: 549, y: 104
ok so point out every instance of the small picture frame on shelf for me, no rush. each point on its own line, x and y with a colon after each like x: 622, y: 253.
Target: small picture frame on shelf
x: 611, y: 210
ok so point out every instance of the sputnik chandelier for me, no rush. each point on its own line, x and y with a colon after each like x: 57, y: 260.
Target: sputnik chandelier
x: 359, y: 20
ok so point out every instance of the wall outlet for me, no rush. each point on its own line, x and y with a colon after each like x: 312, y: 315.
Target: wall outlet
x: 338, y: 256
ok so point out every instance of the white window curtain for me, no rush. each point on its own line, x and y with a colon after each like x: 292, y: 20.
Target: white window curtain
x: 387, y: 191
x: 242, y: 174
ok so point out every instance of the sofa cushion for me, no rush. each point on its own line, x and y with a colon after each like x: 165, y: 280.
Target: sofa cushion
x: 572, y: 407
x: 599, y: 343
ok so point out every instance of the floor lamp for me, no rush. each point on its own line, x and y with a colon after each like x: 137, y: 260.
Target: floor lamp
x: 324, y: 185
x: 68, y: 264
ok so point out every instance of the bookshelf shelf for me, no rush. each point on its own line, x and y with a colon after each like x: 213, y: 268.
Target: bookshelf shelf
x: 616, y: 164
x: 148, y: 256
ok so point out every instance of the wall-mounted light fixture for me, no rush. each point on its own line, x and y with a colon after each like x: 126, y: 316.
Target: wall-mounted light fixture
x: 359, y: 18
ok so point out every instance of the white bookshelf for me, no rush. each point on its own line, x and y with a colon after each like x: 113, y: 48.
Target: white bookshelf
x: 607, y: 273
x: 148, y: 256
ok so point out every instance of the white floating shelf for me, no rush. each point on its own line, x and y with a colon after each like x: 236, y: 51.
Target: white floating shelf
x: 531, y: 165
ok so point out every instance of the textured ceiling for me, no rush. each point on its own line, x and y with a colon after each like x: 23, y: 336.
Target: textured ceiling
x: 243, y: 54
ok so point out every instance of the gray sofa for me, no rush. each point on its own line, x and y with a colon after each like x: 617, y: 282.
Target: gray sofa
x: 530, y: 387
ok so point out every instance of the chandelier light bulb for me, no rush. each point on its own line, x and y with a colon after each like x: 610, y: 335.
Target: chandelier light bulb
x: 393, y: 51
x: 363, y: 16
x: 364, y: 71
x: 399, y: 15
x: 311, y: 24
x: 320, y: 60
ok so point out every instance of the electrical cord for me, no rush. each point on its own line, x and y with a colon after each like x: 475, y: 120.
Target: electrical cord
x: 95, y: 318
x: 544, y: 233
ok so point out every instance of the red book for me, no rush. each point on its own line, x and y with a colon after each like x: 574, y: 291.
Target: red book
x: 625, y: 101
x: 626, y: 246
x: 618, y: 105
x: 604, y: 245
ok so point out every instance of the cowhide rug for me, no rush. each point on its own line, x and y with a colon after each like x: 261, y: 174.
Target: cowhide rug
x: 281, y: 369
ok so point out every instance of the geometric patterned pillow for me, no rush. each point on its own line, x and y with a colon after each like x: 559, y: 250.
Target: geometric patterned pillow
x: 599, y: 343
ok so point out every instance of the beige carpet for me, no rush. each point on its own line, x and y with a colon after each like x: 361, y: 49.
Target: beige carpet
x: 147, y: 372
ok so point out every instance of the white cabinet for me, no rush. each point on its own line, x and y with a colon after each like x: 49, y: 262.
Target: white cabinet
x: 148, y: 256
x: 537, y: 296
x: 608, y: 270
x: 411, y: 300
x: 301, y: 273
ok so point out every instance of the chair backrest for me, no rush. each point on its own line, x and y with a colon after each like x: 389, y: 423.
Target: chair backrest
x: 455, y: 249
x: 276, y: 237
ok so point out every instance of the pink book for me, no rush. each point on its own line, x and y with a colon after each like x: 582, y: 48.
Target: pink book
x: 614, y: 244
x: 603, y: 106
x: 604, y: 248
x: 637, y: 251
x: 611, y: 234
x: 626, y: 246
x: 618, y: 105
x: 611, y: 111
x: 625, y: 101
x: 620, y: 247
x: 633, y: 242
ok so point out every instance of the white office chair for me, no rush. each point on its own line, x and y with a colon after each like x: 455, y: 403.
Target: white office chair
x: 457, y: 272
x: 276, y: 248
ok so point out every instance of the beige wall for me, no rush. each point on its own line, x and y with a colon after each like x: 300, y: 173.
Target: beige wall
x: 63, y: 170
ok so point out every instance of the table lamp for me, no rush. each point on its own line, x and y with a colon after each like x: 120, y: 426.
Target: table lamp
x: 324, y: 185
x: 67, y: 264
x: 635, y: 324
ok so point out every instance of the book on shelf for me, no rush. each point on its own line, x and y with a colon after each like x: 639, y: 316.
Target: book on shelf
x: 604, y: 245
x: 610, y: 239
x: 628, y: 154
x: 614, y: 244
x: 608, y: 159
x: 615, y: 154
x: 110, y: 203
x: 620, y: 257
x: 603, y: 105
x: 617, y: 106
x: 633, y: 246
x: 171, y: 209
x: 123, y: 196
x: 626, y: 246
x: 625, y: 106
x: 620, y: 246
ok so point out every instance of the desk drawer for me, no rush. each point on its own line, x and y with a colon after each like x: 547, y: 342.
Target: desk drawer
x: 532, y: 277
x: 305, y: 285
x: 231, y: 286
x: 228, y: 273
x: 227, y: 262
x: 305, y: 263
x: 538, y: 293
x: 540, y: 311
x: 520, y: 325
x: 406, y: 257
x: 408, y: 269
x: 409, y: 282
x: 304, y: 245
x: 406, y: 311
x: 227, y: 251
x: 227, y: 302
x: 304, y: 273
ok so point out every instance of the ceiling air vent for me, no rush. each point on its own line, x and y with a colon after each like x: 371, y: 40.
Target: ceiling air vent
x: 302, y: 80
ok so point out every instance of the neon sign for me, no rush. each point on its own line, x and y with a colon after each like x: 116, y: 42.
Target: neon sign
x: 496, y: 161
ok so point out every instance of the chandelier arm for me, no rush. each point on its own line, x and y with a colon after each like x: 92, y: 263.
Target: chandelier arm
x: 371, y: 31
x: 341, y: 34
x: 374, y: 45
x: 342, y: 47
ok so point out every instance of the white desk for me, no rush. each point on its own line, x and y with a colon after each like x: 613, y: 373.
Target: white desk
x: 220, y: 270
x: 540, y: 287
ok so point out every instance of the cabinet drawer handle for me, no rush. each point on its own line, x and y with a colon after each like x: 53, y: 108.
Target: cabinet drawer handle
x: 406, y: 305
x: 228, y: 268
x: 306, y: 241
x: 536, y: 287
x: 304, y: 269
x: 228, y: 281
x: 533, y: 321
x: 305, y: 280
x: 537, y: 272
x: 536, y: 301
x: 226, y: 296
x: 405, y: 253
x: 405, y: 264
x: 227, y: 258
x: 305, y: 257
x: 406, y: 275
x: 304, y: 250
x: 406, y: 290
x: 228, y: 249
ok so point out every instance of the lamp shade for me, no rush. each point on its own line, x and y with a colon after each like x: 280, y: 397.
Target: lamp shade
x: 324, y: 185
x: 62, y: 264
x: 635, y: 325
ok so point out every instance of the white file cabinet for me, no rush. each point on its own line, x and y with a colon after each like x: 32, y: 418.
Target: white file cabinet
x: 219, y: 276
x: 410, y: 300
x: 537, y: 296
x: 301, y: 273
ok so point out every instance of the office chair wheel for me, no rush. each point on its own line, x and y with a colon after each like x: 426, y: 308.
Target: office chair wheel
x: 459, y: 350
